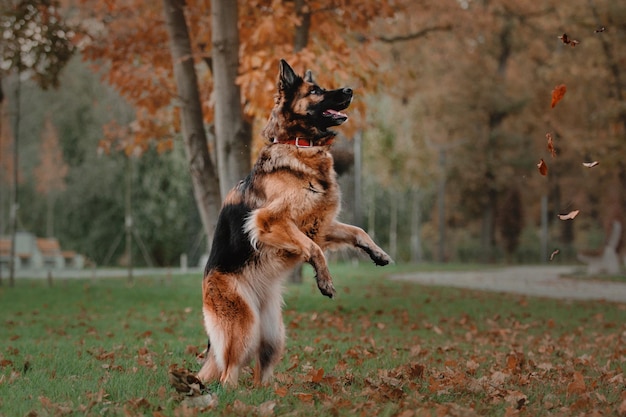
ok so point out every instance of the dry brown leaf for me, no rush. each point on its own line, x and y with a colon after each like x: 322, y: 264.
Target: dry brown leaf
x: 557, y: 94
x: 569, y: 216
x: 577, y: 386
x: 281, y: 391
x: 600, y: 29
x: 621, y: 410
x: 543, y: 167
x: 317, y: 376
x: 305, y: 397
x: 551, y: 148
x: 591, y: 164
x: 266, y: 409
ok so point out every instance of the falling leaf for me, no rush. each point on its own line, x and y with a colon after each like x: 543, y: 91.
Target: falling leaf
x: 567, y: 41
x: 557, y: 94
x: 591, y: 164
x: 543, y: 168
x: 569, y: 216
x: 551, y: 148
x: 554, y: 253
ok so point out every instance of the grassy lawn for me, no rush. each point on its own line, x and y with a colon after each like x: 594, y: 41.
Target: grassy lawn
x: 103, y: 348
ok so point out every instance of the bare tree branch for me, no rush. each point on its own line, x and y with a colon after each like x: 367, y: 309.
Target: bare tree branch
x: 414, y: 35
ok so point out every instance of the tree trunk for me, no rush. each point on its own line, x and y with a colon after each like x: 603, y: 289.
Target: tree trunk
x: 233, y: 133
x: 394, y: 197
x: 301, y: 38
x: 203, y: 174
x: 417, y: 254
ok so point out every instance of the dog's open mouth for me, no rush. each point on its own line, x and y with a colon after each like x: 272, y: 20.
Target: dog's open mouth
x: 335, y: 115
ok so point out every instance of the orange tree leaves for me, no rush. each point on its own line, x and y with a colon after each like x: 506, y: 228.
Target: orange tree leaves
x: 129, y: 42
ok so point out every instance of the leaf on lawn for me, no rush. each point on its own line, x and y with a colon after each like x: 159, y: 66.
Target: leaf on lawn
x: 567, y: 41
x: 554, y: 253
x: 577, y: 386
x: 266, y: 409
x: 184, y: 381
x: 600, y: 29
x: 543, y: 168
x: 557, y: 94
x: 591, y: 164
x: 317, y: 376
x: 551, y: 148
x: 569, y: 216
x: 305, y: 397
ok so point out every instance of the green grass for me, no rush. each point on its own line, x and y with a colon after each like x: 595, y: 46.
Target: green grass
x: 102, y: 347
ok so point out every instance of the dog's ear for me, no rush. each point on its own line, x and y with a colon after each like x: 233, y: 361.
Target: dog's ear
x: 287, y: 76
x: 308, y: 77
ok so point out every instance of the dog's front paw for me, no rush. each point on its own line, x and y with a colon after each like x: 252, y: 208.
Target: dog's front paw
x: 326, y: 287
x: 381, y: 258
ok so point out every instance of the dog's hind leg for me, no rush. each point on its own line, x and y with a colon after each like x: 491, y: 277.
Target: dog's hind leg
x: 232, y: 324
x: 272, y: 339
x: 209, y: 371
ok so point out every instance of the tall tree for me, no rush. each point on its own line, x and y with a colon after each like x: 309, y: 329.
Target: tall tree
x: 233, y: 132
x: 203, y: 173
x: 37, y: 43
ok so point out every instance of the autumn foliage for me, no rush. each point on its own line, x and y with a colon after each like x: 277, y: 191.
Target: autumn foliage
x: 339, y: 52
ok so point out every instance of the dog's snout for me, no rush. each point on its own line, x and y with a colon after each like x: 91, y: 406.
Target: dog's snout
x: 347, y: 91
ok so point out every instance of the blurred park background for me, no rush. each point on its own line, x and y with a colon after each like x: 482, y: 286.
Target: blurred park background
x: 102, y: 158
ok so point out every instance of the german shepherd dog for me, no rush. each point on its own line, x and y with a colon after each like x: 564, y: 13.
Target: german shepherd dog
x: 283, y: 213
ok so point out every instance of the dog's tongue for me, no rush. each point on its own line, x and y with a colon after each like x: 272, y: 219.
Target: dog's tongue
x: 334, y: 113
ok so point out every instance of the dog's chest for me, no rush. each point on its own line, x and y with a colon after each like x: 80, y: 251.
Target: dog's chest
x: 300, y: 185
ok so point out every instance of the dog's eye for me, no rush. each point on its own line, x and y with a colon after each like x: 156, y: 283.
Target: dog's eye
x: 316, y: 91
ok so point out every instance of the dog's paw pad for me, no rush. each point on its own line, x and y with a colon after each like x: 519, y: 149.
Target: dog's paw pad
x: 327, y: 289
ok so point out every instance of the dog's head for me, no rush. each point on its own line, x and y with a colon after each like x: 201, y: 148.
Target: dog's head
x: 304, y: 109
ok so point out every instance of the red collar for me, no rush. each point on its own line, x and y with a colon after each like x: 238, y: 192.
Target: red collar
x: 299, y: 142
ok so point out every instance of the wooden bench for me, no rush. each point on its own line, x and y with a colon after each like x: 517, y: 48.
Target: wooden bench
x: 50, y: 250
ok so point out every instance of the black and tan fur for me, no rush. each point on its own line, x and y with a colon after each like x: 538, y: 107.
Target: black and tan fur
x: 282, y: 214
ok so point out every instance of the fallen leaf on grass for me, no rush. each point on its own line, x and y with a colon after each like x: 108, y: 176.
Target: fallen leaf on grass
x: 543, y: 167
x: 184, y: 381
x: 304, y: 397
x: 317, y: 375
x: 622, y: 408
x: 577, y: 386
x: 551, y: 148
x: 554, y: 253
x: 569, y: 216
x: 557, y: 94
x: 591, y: 164
x: 600, y: 29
